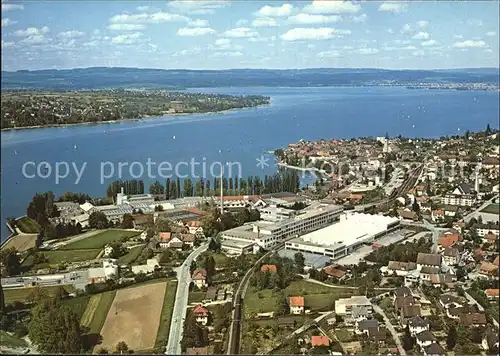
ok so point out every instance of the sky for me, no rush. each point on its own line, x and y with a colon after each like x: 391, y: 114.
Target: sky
x: 249, y: 34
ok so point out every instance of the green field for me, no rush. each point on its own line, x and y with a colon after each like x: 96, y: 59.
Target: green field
x: 58, y: 256
x: 166, y: 315
x: 21, y: 294
x: 100, y: 240
x: 101, y: 312
x: 316, y: 297
x: 196, y: 297
x: 492, y: 209
x: 27, y: 225
x: 131, y: 256
x: 11, y: 340
x: 78, y: 304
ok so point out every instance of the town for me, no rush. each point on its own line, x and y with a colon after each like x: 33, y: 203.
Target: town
x: 393, y: 251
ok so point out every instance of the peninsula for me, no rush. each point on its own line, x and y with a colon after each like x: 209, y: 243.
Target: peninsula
x: 27, y: 108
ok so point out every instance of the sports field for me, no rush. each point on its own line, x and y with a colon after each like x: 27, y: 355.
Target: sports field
x: 134, y: 317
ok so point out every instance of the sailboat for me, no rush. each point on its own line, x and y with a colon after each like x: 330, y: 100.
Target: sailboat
x: 74, y: 147
x: 15, y: 152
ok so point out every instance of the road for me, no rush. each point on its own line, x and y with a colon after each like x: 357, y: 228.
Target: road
x: 389, y: 327
x: 484, y: 205
x: 181, y: 300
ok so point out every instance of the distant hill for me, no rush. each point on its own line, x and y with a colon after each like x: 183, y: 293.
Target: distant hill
x: 103, y: 77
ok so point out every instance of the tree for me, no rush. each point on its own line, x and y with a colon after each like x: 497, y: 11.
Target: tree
x: 299, y: 260
x: 127, y: 222
x: 451, y: 338
x: 102, y: 351
x: 214, y: 245
x: 408, y: 341
x: 10, y: 261
x: 55, y: 328
x: 121, y: 347
x: 2, y: 300
x: 98, y: 220
x: 281, y: 305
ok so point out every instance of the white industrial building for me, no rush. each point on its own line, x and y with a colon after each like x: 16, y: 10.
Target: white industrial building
x: 348, y: 234
x: 266, y: 234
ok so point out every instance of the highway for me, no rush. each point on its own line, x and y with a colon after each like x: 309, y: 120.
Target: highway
x: 181, y: 300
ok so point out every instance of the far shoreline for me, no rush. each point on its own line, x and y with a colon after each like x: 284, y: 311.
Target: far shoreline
x: 146, y: 117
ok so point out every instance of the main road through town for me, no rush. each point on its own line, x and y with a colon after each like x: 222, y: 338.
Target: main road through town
x: 181, y: 300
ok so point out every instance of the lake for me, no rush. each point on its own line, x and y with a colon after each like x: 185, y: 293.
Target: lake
x: 238, y: 136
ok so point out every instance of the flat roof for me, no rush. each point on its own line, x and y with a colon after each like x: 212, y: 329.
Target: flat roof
x: 310, y: 259
x: 352, y: 228
x: 236, y: 243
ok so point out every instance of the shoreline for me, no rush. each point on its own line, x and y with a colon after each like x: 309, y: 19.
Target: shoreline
x: 145, y: 117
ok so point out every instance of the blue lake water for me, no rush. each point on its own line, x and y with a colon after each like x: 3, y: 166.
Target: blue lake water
x: 238, y: 136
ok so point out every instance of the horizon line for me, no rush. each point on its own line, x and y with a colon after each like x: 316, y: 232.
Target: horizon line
x: 266, y: 69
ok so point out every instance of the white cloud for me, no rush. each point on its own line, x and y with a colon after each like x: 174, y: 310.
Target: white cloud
x: 222, y: 42
x: 71, y: 34
x: 241, y: 23
x: 198, y: 23
x: 418, y: 53
x: 422, y: 23
x: 264, y: 22
x: 368, y: 50
x: 331, y: 7
x: 275, y: 11
x: 470, y: 44
x: 390, y: 30
x: 126, y: 27
x: 32, y: 31
x: 157, y: 17
x: 421, y: 36
x: 142, y: 8
x: 406, y: 28
x: 458, y: 37
x: 7, y: 44
x: 10, y: 7
x: 226, y: 44
x: 7, y: 22
x: 241, y: 32
x: 94, y: 43
x: 329, y: 54
x: 393, y: 7
x: 321, y: 33
x: 430, y: 43
x: 308, y: 19
x: 197, y: 7
x: 228, y: 54
x: 262, y: 39
x: 127, y: 39
x: 360, y: 18
x: 35, y: 40
x: 195, y: 31
x: 491, y: 34
x: 409, y: 48
x: 475, y: 22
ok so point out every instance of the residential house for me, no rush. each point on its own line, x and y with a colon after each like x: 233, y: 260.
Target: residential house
x: 187, y: 239
x: 490, y: 238
x: 462, y: 195
x: 334, y: 272
x: 488, y: 269
x: 451, y: 256
x: 201, y: 314
x: 199, y: 277
x: 473, y: 319
x: 164, y: 239
x: 459, y: 226
x: 269, y: 268
x: 428, y: 260
x: 450, y: 211
x: 367, y: 327
x: 412, y: 278
x: 417, y: 324
x: 354, y: 309
x: 407, y: 312
x: 456, y: 311
x: 483, y: 229
x: 320, y: 340
x: 195, y: 228
x: 144, y: 235
x: 448, y: 240
x: 425, y: 338
x: 492, y: 294
x: 434, y: 350
x: 287, y: 322
x: 437, y: 215
x: 403, y: 292
x: 108, y: 250
x: 448, y: 300
x: 426, y: 272
x: 405, y: 214
x: 400, y: 268
x: 490, y: 340
x: 400, y: 302
x: 296, y: 305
